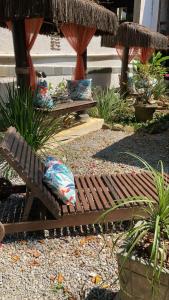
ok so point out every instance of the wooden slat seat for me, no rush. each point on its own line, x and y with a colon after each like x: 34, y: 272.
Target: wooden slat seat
x: 94, y: 194
x: 69, y: 107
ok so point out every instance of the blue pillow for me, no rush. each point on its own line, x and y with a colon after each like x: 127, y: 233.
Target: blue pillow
x: 60, y: 180
x: 79, y: 89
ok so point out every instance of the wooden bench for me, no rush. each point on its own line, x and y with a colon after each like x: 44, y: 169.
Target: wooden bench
x: 69, y: 107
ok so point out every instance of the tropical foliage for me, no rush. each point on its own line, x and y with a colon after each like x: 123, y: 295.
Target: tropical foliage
x: 149, y: 78
x: 149, y: 236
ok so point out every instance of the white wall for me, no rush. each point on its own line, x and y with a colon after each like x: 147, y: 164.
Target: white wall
x: 146, y: 13
x: 42, y: 45
x: 59, y: 64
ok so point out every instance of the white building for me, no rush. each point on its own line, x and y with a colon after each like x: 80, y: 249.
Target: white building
x: 60, y: 64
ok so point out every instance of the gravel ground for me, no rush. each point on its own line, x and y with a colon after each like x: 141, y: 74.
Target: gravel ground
x: 69, y: 268
x: 103, y: 151
x: 75, y: 267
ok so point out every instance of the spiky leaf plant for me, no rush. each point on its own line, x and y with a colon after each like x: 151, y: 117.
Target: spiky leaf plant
x: 17, y: 110
x: 153, y: 230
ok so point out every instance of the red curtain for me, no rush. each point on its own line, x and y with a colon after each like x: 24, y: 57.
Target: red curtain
x: 32, y: 28
x: 133, y: 52
x: 78, y: 37
x: 145, y: 54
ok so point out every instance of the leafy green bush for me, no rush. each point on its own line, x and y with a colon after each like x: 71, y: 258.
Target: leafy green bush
x: 111, y: 107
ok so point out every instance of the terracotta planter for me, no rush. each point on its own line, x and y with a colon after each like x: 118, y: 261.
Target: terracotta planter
x: 144, y: 113
x: 135, y: 281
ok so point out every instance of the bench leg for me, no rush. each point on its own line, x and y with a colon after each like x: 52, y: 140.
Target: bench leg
x: 82, y: 116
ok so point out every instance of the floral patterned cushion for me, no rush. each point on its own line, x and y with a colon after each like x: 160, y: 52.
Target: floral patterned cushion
x: 43, y: 98
x: 79, y: 89
x: 60, y: 180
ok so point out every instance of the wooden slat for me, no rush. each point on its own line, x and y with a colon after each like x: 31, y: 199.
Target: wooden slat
x: 111, y: 188
x: 81, y: 195
x: 88, y: 193
x: 15, y: 146
x: 68, y: 107
x: 79, y: 207
x: 24, y: 155
x: 133, y: 184
x: 32, y: 167
x: 140, y: 185
x: 147, y: 187
x: 27, y: 166
x: 105, y: 190
x: 102, y: 197
x: 149, y: 180
x: 124, y: 188
x: 19, y: 150
x: 98, y: 203
x: 27, y: 208
x: 71, y: 220
x: 9, y: 139
x: 121, y: 190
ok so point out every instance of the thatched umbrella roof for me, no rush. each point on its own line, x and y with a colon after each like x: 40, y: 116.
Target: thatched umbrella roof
x: 134, y: 35
x: 82, y: 12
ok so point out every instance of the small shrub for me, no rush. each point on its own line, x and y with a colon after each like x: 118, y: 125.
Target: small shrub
x: 111, y: 107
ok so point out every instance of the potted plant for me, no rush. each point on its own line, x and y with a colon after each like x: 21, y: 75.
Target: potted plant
x: 143, y: 259
x: 145, y: 104
x: 148, y: 79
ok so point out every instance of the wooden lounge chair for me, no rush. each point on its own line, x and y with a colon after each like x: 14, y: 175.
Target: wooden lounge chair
x: 95, y: 194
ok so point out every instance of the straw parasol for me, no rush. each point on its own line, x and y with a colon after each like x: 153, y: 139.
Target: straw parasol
x: 133, y: 35
x: 54, y: 13
x: 83, y: 12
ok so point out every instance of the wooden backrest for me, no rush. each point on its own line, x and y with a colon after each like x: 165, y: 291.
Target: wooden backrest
x: 28, y: 165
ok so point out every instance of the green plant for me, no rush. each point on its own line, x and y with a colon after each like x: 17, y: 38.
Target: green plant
x: 111, y: 107
x: 60, y: 90
x: 149, y: 78
x: 150, y: 234
x: 17, y: 110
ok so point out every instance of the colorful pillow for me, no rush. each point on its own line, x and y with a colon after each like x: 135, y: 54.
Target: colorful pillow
x: 79, y: 89
x: 60, y: 180
x: 43, y: 98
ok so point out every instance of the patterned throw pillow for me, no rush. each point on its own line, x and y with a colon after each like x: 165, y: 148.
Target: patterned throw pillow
x: 43, y: 98
x: 60, y: 180
x: 79, y: 89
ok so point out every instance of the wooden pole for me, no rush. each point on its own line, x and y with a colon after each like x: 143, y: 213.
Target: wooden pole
x: 21, y: 58
x: 83, y: 115
x: 124, y: 69
x: 85, y: 60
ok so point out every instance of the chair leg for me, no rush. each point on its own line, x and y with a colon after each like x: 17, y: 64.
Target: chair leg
x: 28, y: 206
x: 2, y: 231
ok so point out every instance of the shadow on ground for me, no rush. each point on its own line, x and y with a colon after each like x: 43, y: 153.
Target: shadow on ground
x: 151, y: 148
x: 101, y: 294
